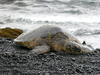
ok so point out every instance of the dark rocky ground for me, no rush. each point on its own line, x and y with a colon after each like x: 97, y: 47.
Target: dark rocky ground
x: 15, y: 60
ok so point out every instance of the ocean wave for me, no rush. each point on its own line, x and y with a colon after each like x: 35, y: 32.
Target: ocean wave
x: 86, y: 32
x: 21, y: 4
x: 75, y: 11
x: 57, y: 6
x: 13, y: 16
x: 7, y: 1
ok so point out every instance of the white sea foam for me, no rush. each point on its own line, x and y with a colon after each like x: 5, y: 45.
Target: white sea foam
x: 91, y: 40
x: 55, y: 17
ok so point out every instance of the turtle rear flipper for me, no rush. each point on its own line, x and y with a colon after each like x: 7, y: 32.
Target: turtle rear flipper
x: 40, y: 50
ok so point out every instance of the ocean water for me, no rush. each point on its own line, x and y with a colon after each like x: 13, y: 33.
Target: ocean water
x: 78, y: 17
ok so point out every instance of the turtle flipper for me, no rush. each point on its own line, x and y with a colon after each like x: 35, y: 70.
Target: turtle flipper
x: 40, y: 50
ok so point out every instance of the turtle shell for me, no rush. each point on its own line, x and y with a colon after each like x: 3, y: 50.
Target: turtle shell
x: 43, y: 31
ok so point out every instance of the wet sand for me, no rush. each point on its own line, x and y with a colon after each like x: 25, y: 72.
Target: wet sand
x: 16, y: 60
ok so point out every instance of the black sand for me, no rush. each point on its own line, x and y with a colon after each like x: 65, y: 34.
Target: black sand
x: 15, y: 60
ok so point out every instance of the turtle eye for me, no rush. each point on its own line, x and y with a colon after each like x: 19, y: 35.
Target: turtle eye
x: 75, y: 49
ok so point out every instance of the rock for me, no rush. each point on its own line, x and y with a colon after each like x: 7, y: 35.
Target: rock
x: 73, y: 59
x: 10, y: 32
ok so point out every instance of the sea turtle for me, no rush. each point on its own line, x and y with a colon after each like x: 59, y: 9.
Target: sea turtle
x: 51, y: 38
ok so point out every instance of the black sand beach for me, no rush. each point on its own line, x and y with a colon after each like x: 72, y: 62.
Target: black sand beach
x: 15, y: 60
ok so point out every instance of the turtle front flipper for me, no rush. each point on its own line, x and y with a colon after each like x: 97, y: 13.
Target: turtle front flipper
x: 40, y: 50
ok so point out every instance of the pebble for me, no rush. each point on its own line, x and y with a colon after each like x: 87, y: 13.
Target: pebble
x: 73, y: 59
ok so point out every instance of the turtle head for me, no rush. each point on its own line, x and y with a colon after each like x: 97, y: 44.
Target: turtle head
x: 76, y: 48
